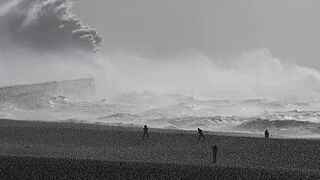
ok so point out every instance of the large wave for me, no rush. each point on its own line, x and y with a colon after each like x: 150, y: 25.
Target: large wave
x: 41, y: 40
x: 44, y: 25
x: 38, y: 36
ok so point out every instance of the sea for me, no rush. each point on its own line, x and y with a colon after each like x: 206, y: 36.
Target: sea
x: 285, y: 118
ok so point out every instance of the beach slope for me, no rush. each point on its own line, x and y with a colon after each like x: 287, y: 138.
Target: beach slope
x: 95, y: 151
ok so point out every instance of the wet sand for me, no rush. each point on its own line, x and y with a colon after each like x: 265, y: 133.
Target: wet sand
x: 122, y: 149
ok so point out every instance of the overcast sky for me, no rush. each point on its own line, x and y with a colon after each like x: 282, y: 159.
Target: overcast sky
x: 289, y: 28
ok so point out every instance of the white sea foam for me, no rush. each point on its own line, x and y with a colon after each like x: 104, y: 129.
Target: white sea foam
x: 41, y: 40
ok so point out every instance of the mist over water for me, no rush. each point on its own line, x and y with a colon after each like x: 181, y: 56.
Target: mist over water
x: 254, y: 74
x: 41, y: 40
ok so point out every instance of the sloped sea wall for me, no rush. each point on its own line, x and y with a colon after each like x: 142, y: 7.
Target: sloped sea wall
x: 77, y: 90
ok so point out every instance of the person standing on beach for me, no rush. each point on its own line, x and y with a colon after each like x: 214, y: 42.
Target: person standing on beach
x: 145, y: 132
x: 266, y: 134
x: 214, y: 153
x: 200, y: 133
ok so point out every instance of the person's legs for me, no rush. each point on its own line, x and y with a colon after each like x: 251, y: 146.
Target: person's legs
x: 144, y: 135
x: 203, y: 137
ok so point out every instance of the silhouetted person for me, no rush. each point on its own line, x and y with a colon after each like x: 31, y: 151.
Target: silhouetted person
x: 145, y: 132
x: 214, y: 153
x: 200, y: 133
x: 266, y: 134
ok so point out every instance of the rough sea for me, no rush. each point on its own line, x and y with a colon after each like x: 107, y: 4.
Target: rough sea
x: 253, y: 116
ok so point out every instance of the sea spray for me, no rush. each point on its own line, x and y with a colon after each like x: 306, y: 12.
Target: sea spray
x: 41, y: 40
x: 45, y: 25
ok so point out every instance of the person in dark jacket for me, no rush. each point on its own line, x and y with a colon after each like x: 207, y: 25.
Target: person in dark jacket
x: 145, y: 132
x: 214, y: 153
x: 200, y: 133
x: 266, y: 134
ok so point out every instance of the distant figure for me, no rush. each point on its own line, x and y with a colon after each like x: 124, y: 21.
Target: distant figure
x: 266, y: 134
x: 145, y: 132
x: 200, y: 133
x: 214, y: 153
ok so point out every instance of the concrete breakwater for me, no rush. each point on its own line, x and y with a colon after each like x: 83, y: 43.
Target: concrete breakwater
x: 76, y: 90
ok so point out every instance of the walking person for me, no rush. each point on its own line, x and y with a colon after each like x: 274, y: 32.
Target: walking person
x: 266, y: 134
x: 214, y: 153
x: 145, y: 132
x: 200, y: 133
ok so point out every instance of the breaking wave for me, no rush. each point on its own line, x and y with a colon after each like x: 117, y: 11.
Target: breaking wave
x: 184, y: 92
x: 44, y: 25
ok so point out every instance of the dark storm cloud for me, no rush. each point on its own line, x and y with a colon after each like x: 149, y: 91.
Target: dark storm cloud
x: 44, y: 25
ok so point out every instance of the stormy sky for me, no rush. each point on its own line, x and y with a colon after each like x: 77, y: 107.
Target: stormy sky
x: 215, y: 48
x: 288, y: 28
